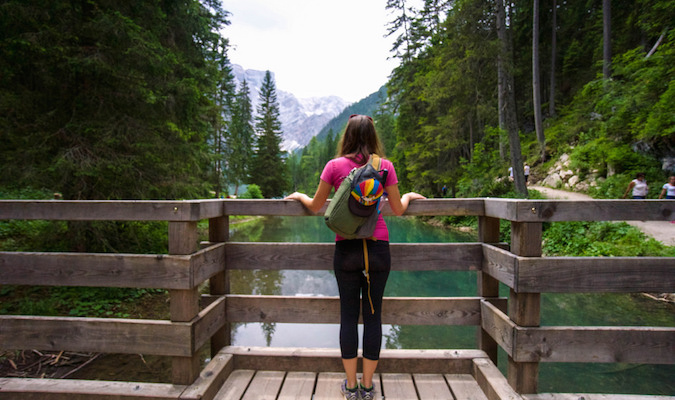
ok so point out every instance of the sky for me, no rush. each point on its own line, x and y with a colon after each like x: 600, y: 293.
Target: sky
x: 315, y: 48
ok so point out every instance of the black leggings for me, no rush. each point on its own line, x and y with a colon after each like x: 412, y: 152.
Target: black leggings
x: 349, y: 268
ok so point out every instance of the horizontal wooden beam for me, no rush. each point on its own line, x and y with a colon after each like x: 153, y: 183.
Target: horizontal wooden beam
x: 194, y: 210
x: 498, y: 325
x: 325, y: 310
x: 328, y: 360
x: 60, y: 389
x: 500, y: 264
x: 159, y: 271
x: 111, y: 210
x: 98, y: 270
x: 491, y: 381
x: 319, y: 256
x: 209, y: 321
x: 455, y: 207
x: 211, y: 378
x: 98, y: 335
x: 574, y: 210
x: 621, y: 344
x: 595, y: 274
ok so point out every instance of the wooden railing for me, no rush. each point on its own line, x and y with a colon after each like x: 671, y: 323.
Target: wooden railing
x: 519, y: 265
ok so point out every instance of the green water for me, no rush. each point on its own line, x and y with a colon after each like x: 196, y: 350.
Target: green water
x: 557, y: 309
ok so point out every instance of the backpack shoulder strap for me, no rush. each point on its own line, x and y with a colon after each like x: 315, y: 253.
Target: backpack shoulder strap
x: 375, y: 161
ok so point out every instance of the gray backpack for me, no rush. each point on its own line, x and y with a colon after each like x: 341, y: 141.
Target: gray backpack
x: 354, y: 210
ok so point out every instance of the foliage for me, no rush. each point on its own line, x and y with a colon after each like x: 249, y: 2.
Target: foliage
x: 108, y: 100
x: 594, y: 239
x: 252, y: 192
x: 268, y: 169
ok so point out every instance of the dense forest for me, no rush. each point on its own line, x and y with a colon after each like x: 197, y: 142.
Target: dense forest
x: 462, y: 99
x: 109, y: 100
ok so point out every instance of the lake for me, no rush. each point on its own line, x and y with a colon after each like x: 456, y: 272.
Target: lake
x: 556, y: 309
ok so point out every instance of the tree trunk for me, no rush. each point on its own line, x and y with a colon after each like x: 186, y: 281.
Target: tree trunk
x: 554, y: 27
x: 536, y: 91
x: 509, y: 108
x: 607, y: 35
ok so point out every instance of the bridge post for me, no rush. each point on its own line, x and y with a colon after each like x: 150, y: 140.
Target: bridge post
x: 184, y: 304
x: 219, y: 284
x: 524, y: 308
x: 488, y: 232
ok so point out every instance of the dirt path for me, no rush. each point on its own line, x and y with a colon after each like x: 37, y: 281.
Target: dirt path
x: 663, y: 231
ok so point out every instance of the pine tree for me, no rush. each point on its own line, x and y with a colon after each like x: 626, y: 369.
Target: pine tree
x: 269, y: 169
x: 224, y: 100
x: 241, y: 138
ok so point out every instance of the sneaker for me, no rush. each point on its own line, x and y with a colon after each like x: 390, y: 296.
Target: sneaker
x: 348, y: 393
x: 366, y: 394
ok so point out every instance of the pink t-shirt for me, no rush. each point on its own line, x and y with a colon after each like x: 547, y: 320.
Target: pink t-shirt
x: 337, y: 169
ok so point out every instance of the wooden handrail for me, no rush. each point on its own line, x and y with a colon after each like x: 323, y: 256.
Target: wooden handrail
x: 518, y: 265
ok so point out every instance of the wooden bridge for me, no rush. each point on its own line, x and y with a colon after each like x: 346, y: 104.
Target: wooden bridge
x: 282, y: 373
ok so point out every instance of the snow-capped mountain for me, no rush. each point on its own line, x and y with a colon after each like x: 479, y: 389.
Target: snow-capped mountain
x: 301, y: 119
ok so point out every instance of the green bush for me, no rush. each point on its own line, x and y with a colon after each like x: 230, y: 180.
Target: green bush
x: 252, y: 192
x: 594, y: 239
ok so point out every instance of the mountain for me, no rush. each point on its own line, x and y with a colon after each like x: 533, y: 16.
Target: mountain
x: 301, y: 119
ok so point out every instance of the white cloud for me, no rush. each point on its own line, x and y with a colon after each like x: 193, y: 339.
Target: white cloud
x: 314, y: 47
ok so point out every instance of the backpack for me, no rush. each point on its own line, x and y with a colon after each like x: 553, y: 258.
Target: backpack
x: 354, y: 210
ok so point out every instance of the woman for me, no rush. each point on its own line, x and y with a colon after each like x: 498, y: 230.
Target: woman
x: 358, y: 142
x: 668, y: 189
x: 639, y: 186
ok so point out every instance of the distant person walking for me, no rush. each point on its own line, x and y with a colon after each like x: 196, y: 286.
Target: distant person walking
x: 639, y: 187
x: 668, y: 189
x: 527, y: 172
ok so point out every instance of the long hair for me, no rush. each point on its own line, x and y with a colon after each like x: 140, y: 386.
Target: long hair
x: 360, y: 139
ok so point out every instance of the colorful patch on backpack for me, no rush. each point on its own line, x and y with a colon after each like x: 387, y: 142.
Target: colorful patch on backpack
x: 368, y: 192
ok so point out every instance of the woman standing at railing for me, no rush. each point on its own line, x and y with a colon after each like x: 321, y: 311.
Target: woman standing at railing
x: 358, y: 142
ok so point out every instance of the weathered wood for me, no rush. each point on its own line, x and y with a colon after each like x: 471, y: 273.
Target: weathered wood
x: 488, y: 286
x: 398, y: 386
x: 647, y: 345
x: 133, y: 336
x: 184, y: 304
x: 65, y: 389
x: 96, y: 270
x: 208, y: 322
x: 319, y: 256
x: 593, y: 396
x: 235, y: 385
x: 110, y: 210
x: 492, y: 382
x: 432, y: 387
x: 404, y: 311
x: 219, y: 283
x: 575, y: 210
x: 595, y: 274
x: 464, y: 387
x: 264, y: 386
x: 524, y: 308
x: 183, y: 237
x: 298, y: 386
x: 328, y: 360
x: 500, y: 264
x: 328, y: 386
x: 456, y: 207
x: 206, y: 263
x: 498, y: 325
x: 211, y: 378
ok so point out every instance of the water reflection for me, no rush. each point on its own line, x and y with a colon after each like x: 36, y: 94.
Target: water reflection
x: 557, y: 309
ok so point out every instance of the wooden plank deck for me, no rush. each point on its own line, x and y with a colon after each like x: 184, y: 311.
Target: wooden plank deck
x: 293, y: 385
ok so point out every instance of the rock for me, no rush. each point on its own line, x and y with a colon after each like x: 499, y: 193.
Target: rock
x: 553, y: 180
x: 565, y: 174
x: 582, y: 186
x: 573, y: 180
